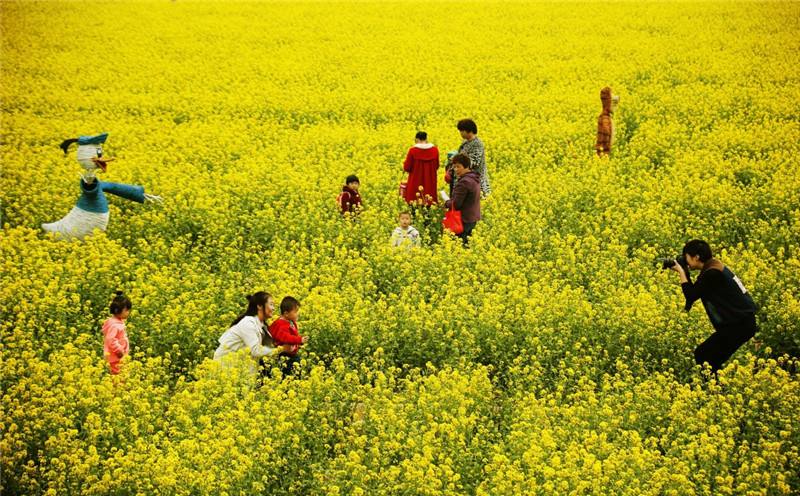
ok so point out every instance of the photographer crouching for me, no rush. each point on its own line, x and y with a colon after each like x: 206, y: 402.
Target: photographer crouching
x: 727, y: 302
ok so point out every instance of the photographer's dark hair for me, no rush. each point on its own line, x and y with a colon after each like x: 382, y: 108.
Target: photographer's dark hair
x: 697, y: 247
x: 288, y: 304
x: 467, y: 125
x: 352, y: 178
x: 254, y: 301
x: 421, y: 135
x: 119, y: 303
x: 461, y: 159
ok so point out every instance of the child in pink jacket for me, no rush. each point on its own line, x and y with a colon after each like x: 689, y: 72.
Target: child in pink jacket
x: 115, y: 341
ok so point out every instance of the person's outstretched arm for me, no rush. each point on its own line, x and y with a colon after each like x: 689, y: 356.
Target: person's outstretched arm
x: 252, y: 339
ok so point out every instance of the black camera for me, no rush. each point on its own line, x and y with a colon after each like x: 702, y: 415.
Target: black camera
x: 668, y: 263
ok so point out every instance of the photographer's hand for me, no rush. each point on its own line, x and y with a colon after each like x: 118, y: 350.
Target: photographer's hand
x: 679, y: 269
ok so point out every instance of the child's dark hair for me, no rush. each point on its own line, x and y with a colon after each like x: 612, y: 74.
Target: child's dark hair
x: 697, y: 247
x: 254, y: 301
x: 467, y: 125
x: 119, y: 303
x: 352, y: 178
x: 288, y: 304
x: 422, y: 135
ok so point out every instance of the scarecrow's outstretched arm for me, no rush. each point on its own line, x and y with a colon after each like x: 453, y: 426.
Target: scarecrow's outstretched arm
x: 130, y: 192
x: 127, y: 191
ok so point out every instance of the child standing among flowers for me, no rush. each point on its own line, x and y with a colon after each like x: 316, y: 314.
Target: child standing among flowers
x: 284, y: 332
x: 115, y: 340
x: 349, y: 199
x: 405, y: 235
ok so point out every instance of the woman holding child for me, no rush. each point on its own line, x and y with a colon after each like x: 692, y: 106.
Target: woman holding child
x: 248, y: 330
x: 472, y: 147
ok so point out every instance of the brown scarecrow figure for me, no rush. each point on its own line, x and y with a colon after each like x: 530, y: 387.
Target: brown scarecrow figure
x: 605, y: 124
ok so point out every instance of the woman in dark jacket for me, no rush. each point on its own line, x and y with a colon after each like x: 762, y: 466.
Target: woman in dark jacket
x: 466, y: 195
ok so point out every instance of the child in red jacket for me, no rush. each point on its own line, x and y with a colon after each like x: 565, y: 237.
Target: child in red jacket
x: 284, y: 331
x: 350, y: 199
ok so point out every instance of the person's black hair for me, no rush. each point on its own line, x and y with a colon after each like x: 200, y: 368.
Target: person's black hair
x: 254, y: 301
x: 119, y: 303
x: 421, y: 135
x: 352, y: 178
x: 697, y: 247
x: 288, y: 304
x: 461, y: 159
x: 467, y: 125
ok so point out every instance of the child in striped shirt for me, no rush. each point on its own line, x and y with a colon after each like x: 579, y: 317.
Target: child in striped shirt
x: 405, y: 235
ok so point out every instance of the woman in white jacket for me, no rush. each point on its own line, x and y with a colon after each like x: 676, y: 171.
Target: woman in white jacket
x: 249, y: 330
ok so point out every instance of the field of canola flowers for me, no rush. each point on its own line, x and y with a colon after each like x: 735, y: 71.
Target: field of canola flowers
x: 553, y: 357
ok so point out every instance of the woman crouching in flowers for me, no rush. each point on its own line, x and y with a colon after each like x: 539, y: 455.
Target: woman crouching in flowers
x: 248, y: 331
x: 115, y: 338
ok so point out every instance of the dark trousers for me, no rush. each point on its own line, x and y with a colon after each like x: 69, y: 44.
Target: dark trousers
x: 285, y: 361
x: 467, y: 232
x: 724, y: 342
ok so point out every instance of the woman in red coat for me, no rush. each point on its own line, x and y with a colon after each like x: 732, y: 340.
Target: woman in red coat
x: 422, y: 165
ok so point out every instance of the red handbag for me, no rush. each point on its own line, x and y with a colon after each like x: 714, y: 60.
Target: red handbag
x: 452, y: 221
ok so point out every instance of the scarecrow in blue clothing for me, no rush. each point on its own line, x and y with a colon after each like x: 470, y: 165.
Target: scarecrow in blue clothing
x: 91, y: 211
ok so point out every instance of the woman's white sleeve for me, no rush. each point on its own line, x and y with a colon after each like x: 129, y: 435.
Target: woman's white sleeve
x: 253, y: 341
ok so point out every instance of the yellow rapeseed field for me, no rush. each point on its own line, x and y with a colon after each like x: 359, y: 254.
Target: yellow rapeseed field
x: 552, y: 357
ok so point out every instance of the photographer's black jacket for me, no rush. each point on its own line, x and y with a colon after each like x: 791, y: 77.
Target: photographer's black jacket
x: 724, y: 297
